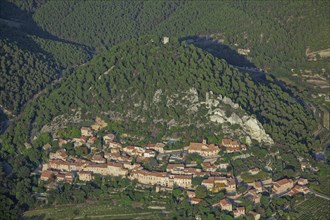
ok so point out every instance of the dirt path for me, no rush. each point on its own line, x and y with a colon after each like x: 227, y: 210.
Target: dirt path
x: 320, y: 195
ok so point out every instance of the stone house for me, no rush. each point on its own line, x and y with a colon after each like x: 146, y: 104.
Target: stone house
x: 238, y: 212
x: 225, y: 204
x: 85, y: 175
x: 282, y: 186
x: 203, y: 149
x: 86, y: 131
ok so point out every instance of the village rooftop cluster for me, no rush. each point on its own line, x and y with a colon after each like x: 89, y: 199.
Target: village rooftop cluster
x: 128, y: 162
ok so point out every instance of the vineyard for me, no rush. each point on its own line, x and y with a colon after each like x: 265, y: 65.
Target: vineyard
x: 314, y: 208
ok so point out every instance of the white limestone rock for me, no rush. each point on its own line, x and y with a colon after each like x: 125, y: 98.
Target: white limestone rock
x: 217, y: 119
x: 217, y: 115
x: 228, y: 101
x: 157, y: 95
x: 256, y: 131
x: 248, y: 140
x: 235, y: 119
x: 192, y: 95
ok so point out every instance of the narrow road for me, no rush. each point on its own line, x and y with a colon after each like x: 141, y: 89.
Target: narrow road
x: 312, y: 191
x: 320, y: 195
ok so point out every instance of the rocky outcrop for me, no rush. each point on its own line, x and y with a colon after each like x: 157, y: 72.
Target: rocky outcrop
x: 256, y: 131
x: 234, y: 119
x: 217, y: 115
x: 228, y: 101
x: 62, y: 121
x: 157, y: 95
x: 217, y: 108
x: 249, y: 124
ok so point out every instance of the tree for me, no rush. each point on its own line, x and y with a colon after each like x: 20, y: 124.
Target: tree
x: 194, y: 157
x: 201, y: 192
x: 264, y: 201
x: 151, y: 164
x: 196, y: 181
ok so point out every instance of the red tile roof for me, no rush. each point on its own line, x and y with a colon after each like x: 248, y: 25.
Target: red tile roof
x: 225, y: 202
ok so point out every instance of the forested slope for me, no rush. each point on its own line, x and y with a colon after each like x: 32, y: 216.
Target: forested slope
x: 123, y: 81
x: 278, y: 34
x: 29, y: 63
x: 23, y: 72
x: 108, y: 23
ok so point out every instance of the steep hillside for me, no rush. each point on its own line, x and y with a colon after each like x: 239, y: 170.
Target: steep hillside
x: 149, y: 86
x: 275, y: 40
x: 29, y: 63
x: 23, y: 72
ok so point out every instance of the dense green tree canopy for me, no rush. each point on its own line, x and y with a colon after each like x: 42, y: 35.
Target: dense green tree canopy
x: 117, y: 80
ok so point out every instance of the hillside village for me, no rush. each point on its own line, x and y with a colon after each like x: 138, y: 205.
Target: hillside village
x: 114, y: 159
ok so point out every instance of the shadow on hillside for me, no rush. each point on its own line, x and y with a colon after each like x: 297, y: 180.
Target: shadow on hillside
x: 219, y: 50
x: 36, y: 217
x: 222, y: 51
x: 232, y: 57
x: 11, y: 12
x: 3, y: 121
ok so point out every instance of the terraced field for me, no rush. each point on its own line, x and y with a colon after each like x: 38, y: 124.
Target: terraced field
x: 315, y: 208
x: 92, y: 211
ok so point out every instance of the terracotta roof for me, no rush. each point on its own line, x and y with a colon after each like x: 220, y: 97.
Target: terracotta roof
x: 151, y: 145
x: 97, y: 165
x: 283, y: 182
x: 85, y: 173
x: 201, y: 173
x: 59, y: 162
x: 47, y: 173
x: 231, y: 181
x: 225, y: 202
x: 148, y: 173
x: 115, y: 164
x: 196, y: 200
x: 68, y: 175
x: 240, y: 209
x: 216, y: 173
x: 226, y: 141
x: 233, y: 149
x: 60, y: 175
x: 92, y: 138
x: 202, y: 147
x: 182, y: 177
x: 302, y: 181
x: 62, y: 152
x: 209, y: 180
x: 191, y: 170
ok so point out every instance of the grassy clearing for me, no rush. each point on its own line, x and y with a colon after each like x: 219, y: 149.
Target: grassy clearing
x: 92, y: 211
x: 314, y: 208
